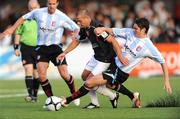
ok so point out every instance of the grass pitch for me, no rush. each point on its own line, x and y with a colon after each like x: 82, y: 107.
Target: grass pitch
x: 13, y: 106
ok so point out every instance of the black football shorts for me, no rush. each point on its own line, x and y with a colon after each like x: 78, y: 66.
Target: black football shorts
x: 114, y: 75
x: 50, y: 53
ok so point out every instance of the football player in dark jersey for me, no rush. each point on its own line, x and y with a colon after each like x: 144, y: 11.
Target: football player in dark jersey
x: 103, y: 55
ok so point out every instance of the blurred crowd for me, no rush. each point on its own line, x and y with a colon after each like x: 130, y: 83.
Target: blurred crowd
x: 164, y: 18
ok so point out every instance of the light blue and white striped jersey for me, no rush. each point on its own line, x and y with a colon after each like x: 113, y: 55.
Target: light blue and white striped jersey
x: 135, y: 49
x: 51, y: 26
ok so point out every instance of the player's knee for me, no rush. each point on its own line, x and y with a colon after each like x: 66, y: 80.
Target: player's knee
x: 83, y: 77
x: 28, y: 72
x: 89, y: 84
x: 36, y: 76
x: 42, y: 77
x: 64, y: 74
x: 65, y: 77
x: 111, y: 86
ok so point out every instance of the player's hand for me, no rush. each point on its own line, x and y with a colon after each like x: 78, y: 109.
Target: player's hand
x: 61, y: 56
x: 98, y: 30
x: 167, y: 87
x: 124, y: 61
x: 17, y: 52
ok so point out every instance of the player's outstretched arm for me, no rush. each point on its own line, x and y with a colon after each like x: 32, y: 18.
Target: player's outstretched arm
x: 117, y: 48
x: 11, y: 29
x: 167, y: 85
x: 100, y: 30
x: 2, y: 36
x: 70, y: 47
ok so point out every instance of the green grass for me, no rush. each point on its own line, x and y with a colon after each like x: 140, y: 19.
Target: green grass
x: 151, y: 89
x: 166, y: 101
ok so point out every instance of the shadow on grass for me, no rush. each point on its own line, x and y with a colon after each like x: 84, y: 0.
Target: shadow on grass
x: 166, y: 101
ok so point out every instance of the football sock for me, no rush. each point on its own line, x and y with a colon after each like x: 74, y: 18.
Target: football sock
x: 29, y: 84
x: 81, y: 92
x: 93, y: 97
x: 70, y: 84
x: 46, y: 86
x: 36, y: 86
x: 105, y: 91
x: 122, y: 89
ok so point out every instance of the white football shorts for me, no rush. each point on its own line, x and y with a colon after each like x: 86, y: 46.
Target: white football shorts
x: 95, y: 66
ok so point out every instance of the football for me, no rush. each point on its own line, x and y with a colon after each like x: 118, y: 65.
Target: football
x: 53, y: 103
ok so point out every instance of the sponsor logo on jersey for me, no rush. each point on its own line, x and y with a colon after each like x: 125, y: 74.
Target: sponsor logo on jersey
x: 47, y: 29
x: 53, y: 23
x: 138, y: 48
x: 129, y: 50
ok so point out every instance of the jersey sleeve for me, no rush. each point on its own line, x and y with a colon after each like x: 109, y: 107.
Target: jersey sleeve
x: 104, y: 34
x: 154, y: 53
x: 30, y: 15
x: 120, y: 32
x: 82, y: 36
x: 19, y: 30
x: 69, y: 24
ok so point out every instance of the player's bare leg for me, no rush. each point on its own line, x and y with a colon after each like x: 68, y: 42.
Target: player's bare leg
x: 89, y: 85
x: 85, y: 74
x: 69, y: 80
x: 42, y: 71
x: 94, y: 100
x: 135, y: 97
x: 103, y: 90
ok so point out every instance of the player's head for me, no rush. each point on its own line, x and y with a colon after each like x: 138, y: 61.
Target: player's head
x: 141, y: 26
x: 33, y: 4
x: 52, y: 5
x: 83, y: 18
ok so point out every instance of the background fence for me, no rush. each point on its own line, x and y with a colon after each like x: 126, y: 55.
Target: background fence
x: 11, y: 67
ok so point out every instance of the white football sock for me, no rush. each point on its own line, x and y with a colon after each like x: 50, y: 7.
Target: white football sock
x: 93, y: 97
x: 103, y: 90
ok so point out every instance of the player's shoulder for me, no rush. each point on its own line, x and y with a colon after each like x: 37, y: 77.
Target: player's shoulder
x: 128, y: 30
x: 124, y: 29
x: 61, y: 15
x: 148, y: 42
x: 59, y: 12
x: 82, y: 32
x: 95, y: 23
x: 40, y: 10
x: 43, y: 9
x: 147, y: 39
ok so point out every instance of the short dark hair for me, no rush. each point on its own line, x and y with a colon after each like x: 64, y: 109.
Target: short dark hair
x: 83, y: 12
x: 56, y: 1
x: 142, y: 23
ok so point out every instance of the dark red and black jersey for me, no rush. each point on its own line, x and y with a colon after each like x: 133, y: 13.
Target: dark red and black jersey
x: 103, y: 51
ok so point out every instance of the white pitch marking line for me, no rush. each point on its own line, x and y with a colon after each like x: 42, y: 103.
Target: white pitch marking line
x: 19, y: 94
x: 13, y: 91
